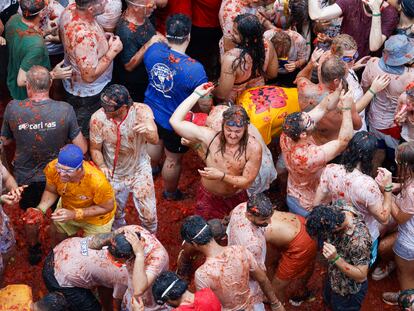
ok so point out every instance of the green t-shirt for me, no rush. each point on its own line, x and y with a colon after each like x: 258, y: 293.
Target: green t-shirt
x: 26, y: 48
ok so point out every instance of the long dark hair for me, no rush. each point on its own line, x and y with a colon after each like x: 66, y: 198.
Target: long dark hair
x: 404, y: 156
x: 238, y: 113
x: 360, y: 149
x: 251, y: 37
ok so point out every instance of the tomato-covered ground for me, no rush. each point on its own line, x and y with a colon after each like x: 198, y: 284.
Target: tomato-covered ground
x: 170, y: 216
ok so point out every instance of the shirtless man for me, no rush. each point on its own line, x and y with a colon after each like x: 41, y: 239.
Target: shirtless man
x: 227, y: 270
x: 254, y: 223
x: 246, y: 65
x: 304, y: 159
x: 333, y: 71
x: 90, y: 51
x: 232, y: 161
x: 145, y: 259
x: 119, y: 133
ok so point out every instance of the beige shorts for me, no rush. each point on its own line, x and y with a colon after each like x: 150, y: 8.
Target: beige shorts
x: 71, y: 227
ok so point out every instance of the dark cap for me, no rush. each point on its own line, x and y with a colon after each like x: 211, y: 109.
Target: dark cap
x: 114, y: 97
x: 31, y: 7
x: 407, y: 6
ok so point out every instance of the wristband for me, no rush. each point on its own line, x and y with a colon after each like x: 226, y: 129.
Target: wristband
x: 372, y: 92
x: 336, y: 259
x: 276, y: 304
x: 349, y: 108
x: 198, y: 93
x: 376, y: 14
x: 197, y: 146
x: 78, y: 213
x: 388, y: 188
x: 222, y: 178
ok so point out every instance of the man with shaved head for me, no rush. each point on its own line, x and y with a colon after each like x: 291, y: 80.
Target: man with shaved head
x: 40, y: 126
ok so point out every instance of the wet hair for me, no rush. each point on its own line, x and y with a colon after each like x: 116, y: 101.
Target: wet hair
x: 178, y: 28
x: 282, y: 43
x: 39, y: 78
x: 323, y: 220
x: 195, y: 229
x: 259, y: 205
x: 333, y: 68
x: 161, y: 284
x: 341, y: 43
x: 298, y: 14
x: 31, y: 8
x: 404, y: 156
x: 84, y: 4
x: 120, y: 247
x: 217, y: 228
x: 360, y: 149
x: 235, y: 113
x: 53, y: 302
x: 292, y: 126
x: 251, y: 43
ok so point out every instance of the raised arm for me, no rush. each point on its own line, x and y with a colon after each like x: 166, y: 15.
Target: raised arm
x: 186, y: 129
x: 317, y: 12
x: 306, y: 72
x: 379, y: 83
x: 335, y: 147
x: 376, y: 38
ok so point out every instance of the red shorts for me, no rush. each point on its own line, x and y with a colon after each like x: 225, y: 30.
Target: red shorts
x: 296, y: 259
x: 209, y: 205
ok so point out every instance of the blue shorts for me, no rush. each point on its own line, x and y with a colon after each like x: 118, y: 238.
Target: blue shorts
x: 401, y: 250
x: 295, y: 207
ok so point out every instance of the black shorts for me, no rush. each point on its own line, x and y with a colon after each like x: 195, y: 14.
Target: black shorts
x: 172, y: 142
x: 32, y: 195
x: 79, y: 299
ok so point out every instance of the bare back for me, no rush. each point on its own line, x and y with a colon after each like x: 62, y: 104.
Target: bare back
x: 283, y: 229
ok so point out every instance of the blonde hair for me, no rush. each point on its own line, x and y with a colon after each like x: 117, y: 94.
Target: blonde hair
x: 341, y: 43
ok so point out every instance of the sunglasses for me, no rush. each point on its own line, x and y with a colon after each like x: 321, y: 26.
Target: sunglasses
x: 231, y: 123
x: 348, y: 59
x: 67, y: 170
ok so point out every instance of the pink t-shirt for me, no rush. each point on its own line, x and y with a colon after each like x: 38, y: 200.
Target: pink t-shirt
x: 156, y: 261
x: 355, y: 188
x: 384, y: 104
x: 304, y: 162
x: 228, y: 277
x: 132, y: 150
x: 242, y: 231
x: 76, y: 265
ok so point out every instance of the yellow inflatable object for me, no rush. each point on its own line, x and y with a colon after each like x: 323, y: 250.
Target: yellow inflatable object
x: 267, y: 107
x: 16, y: 297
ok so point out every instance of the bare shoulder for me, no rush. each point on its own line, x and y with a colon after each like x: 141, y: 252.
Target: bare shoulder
x: 208, y: 134
x: 253, y: 145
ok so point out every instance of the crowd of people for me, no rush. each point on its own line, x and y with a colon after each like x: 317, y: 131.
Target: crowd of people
x: 300, y: 111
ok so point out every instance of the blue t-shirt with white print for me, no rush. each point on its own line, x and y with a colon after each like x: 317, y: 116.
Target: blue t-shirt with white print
x: 173, y: 76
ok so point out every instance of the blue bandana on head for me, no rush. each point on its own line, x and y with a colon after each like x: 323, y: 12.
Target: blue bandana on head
x: 71, y: 156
